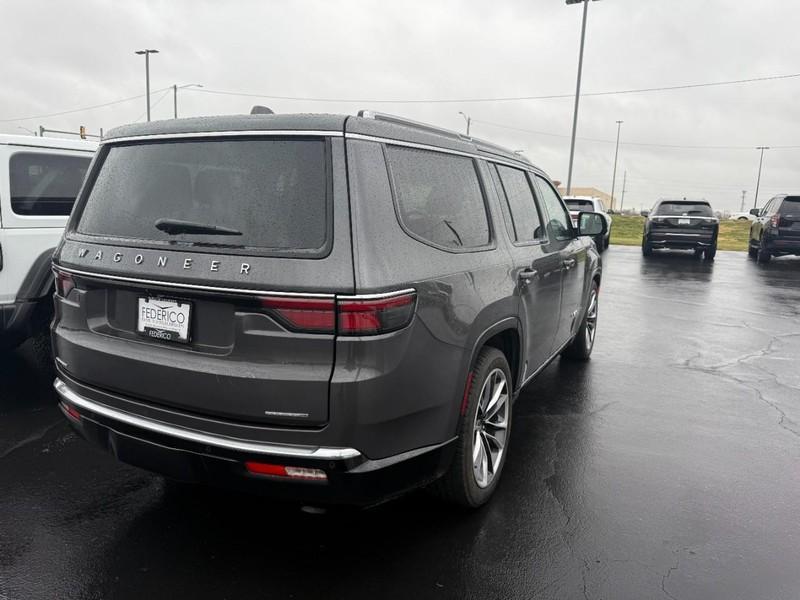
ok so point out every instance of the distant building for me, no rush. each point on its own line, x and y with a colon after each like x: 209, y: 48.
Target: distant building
x: 589, y: 191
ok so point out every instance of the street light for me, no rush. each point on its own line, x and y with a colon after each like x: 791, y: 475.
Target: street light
x: 175, y: 88
x: 758, y: 181
x: 614, y: 177
x: 147, y: 53
x: 577, y: 92
x: 468, y: 119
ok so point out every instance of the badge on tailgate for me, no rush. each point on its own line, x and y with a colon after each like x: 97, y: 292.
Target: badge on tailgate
x: 164, y: 319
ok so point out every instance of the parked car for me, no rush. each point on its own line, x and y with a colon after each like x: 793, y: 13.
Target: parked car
x: 578, y: 204
x: 776, y: 230
x: 741, y: 216
x: 39, y: 180
x: 681, y: 224
x: 329, y: 308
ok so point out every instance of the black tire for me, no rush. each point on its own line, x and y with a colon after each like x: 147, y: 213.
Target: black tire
x: 583, y: 343
x: 459, y: 484
x: 763, y: 256
x: 752, y: 251
x: 710, y: 253
x: 647, y: 248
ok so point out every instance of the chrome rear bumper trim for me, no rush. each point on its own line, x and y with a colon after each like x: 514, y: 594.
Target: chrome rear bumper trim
x: 318, y: 452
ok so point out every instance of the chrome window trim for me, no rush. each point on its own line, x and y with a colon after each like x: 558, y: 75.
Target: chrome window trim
x: 318, y: 452
x: 394, y: 142
x: 227, y: 290
x: 206, y: 134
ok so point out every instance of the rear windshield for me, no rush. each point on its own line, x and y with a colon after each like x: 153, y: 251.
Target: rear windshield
x: 585, y: 205
x: 267, y: 194
x: 45, y: 184
x: 685, y: 209
x: 791, y: 206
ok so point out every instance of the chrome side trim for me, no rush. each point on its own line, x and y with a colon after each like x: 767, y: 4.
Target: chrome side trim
x: 226, y: 290
x: 319, y: 452
x: 205, y: 134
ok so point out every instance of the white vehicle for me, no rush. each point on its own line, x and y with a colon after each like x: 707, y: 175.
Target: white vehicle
x: 742, y: 216
x: 39, y: 180
x: 577, y: 204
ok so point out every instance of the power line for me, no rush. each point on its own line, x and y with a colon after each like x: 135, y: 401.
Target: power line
x: 83, y: 109
x: 684, y: 86
x: 643, y: 144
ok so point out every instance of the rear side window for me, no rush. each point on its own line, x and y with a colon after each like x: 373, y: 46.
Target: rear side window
x: 580, y: 205
x: 272, y: 193
x: 684, y: 209
x: 514, y: 187
x: 439, y: 198
x: 45, y: 184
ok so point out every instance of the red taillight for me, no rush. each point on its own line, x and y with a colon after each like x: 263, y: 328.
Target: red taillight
x: 64, y: 283
x: 775, y: 221
x: 316, y: 315
x: 381, y: 315
x: 258, y: 468
x: 356, y: 316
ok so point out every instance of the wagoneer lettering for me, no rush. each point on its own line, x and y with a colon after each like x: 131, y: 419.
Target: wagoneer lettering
x: 388, y: 322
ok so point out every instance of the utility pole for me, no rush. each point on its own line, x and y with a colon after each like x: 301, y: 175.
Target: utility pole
x: 147, y: 53
x: 624, y: 182
x: 744, y: 193
x: 468, y: 119
x: 175, y: 88
x: 577, y: 92
x: 616, y: 154
x: 758, y: 181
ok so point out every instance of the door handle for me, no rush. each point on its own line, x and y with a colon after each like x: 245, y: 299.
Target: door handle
x: 569, y: 263
x: 527, y: 275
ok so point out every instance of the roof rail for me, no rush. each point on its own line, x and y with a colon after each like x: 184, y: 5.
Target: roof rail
x: 379, y: 116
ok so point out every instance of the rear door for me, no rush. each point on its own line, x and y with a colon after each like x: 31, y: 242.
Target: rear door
x: 573, y: 259
x: 536, y: 269
x: 252, y: 301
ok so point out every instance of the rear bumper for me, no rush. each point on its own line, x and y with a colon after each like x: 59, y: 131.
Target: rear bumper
x: 781, y: 245
x: 681, y: 240
x: 198, y: 456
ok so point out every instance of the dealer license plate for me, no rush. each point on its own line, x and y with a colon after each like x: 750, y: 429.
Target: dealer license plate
x: 162, y: 319
x: 684, y: 221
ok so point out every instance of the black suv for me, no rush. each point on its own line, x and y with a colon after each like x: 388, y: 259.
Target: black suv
x: 681, y: 224
x: 776, y: 231
x: 328, y: 308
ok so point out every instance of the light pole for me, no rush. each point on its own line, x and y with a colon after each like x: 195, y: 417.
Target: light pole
x: 577, y: 92
x: 614, y: 177
x: 758, y: 181
x: 175, y: 88
x: 744, y: 193
x: 147, y: 53
x: 624, y: 182
x: 468, y: 119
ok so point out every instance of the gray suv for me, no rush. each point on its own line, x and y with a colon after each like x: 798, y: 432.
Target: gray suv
x: 333, y: 309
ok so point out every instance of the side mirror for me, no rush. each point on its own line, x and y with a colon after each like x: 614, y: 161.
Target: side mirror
x: 645, y: 213
x: 591, y: 223
x: 755, y: 212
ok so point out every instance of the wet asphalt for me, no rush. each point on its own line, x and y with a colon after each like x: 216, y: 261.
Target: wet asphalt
x: 667, y: 467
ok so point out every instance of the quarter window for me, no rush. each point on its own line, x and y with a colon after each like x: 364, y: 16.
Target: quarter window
x: 558, y: 225
x: 515, y: 189
x: 45, y: 184
x: 439, y: 197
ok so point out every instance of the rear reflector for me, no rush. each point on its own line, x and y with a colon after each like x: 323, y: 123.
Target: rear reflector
x: 355, y: 316
x: 257, y: 468
x: 70, y: 412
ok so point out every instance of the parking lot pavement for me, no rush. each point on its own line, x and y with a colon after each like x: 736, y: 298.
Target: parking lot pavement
x: 668, y: 466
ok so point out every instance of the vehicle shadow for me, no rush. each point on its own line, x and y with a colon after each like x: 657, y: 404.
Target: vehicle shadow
x: 26, y: 379
x: 216, y: 543
x: 676, y: 264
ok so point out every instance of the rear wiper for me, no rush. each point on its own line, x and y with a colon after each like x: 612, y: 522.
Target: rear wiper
x: 175, y: 226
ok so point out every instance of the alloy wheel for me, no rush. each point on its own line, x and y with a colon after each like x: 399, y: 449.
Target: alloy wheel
x: 490, y: 428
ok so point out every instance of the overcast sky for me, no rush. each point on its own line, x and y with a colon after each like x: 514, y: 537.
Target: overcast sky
x: 63, y: 55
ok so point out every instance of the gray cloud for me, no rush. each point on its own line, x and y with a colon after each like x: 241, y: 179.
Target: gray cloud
x: 63, y: 55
